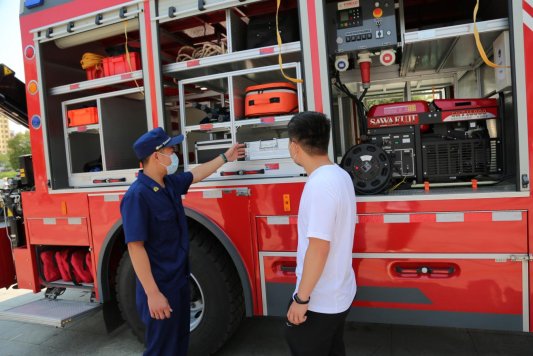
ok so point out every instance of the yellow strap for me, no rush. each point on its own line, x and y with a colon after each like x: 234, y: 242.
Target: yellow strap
x: 480, y: 46
x: 280, y: 60
x: 128, y: 59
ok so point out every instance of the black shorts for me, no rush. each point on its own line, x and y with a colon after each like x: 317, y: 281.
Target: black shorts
x: 320, y: 335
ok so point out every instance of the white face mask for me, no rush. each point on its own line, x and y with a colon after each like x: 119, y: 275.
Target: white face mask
x: 174, y: 163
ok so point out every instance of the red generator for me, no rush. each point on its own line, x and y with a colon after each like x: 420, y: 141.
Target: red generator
x: 445, y: 141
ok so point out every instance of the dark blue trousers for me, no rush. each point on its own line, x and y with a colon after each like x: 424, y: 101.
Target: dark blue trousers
x: 169, y: 336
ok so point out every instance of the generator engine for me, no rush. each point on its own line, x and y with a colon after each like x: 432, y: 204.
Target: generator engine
x: 444, y: 141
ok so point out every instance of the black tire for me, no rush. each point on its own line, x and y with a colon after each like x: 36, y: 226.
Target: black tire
x: 220, y: 286
x: 125, y: 287
x: 223, y: 295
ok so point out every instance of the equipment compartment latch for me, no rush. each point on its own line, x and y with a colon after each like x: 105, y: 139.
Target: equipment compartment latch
x: 525, y: 181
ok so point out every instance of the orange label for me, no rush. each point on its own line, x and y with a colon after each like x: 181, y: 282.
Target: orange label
x: 286, y: 202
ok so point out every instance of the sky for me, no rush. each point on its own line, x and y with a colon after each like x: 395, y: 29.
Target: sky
x: 11, y: 49
x: 11, y: 46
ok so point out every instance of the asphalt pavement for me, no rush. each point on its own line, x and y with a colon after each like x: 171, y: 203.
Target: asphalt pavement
x: 255, y: 337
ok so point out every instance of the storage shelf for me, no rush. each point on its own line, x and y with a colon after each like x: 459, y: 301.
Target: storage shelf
x: 261, y: 122
x: 455, y: 31
x: 448, y: 49
x: 229, y: 62
x: 264, y: 122
x: 97, y: 83
x: 85, y: 128
x: 214, y: 127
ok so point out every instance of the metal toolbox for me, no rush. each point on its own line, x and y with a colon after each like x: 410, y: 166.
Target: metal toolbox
x: 269, y: 149
x: 207, y: 150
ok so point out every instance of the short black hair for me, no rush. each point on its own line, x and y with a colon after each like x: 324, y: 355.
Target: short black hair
x: 145, y: 160
x: 310, y: 130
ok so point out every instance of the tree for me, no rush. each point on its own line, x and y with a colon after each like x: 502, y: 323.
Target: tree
x: 5, y: 165
x: 17, y: 146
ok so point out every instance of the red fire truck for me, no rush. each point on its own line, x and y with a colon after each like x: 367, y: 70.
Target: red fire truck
x: 434, y: 135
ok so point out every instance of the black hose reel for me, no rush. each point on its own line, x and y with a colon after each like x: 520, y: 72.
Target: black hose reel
x: 370, y: 168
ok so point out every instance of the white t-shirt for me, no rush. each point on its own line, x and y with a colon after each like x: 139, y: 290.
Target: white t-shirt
x: 327, y: 212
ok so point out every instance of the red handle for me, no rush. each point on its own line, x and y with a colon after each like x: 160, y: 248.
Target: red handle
x: 109, y: 180
x: 242, y: 172
x: 430, y: 270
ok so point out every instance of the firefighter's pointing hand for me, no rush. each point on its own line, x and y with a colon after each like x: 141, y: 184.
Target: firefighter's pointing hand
x: 235, y: 152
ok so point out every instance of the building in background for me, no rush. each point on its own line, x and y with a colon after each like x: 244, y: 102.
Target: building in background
x: 5, y: 134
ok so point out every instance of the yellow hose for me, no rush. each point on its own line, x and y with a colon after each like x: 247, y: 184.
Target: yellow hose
x: 280, y: 60
x: 89, y: 60
x: 479, y: 45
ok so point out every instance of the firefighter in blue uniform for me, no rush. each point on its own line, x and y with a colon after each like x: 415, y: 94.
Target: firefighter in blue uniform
x: 155, y: 228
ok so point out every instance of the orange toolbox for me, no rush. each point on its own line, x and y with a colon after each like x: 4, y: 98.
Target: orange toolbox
x: 119, y: 64
x: 80, y: 117
x: 271, y: 99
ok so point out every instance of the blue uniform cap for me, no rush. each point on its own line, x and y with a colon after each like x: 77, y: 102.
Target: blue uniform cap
x: 154, y: 140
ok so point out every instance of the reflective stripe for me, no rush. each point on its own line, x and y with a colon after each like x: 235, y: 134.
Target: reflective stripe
x: 528, y: 20
x: 111, y: 198
x: 278, y: 220
x: 74, y: 221
x: 499, y: 257
x: 475, y: 216
x: 70, y: 221
x: 396, y: 218
x: 507, y: 216
x: 450, y: 217
x: 212, y: 194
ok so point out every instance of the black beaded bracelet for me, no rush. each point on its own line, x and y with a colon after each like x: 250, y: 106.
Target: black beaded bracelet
x: 299, y: 301
x: 224, y: 157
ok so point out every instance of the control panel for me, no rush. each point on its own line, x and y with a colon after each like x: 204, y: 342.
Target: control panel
x: 362, y: 24
x: 399, y: 143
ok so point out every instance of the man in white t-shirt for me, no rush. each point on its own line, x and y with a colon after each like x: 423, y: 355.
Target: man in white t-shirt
x: 325, y: 287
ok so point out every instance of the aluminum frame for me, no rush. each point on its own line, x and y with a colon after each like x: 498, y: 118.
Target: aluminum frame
x: 231, y: 126
x: 519, y: 90
x: 195, y: 11
x: 78, y: 178
x: 125, y: 77
x: 234, y: 57
x: 97, y: 83
x: 456, y: 31
x: 91, y: 25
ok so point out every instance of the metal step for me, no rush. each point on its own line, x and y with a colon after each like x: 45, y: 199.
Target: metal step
x: 56, y: 312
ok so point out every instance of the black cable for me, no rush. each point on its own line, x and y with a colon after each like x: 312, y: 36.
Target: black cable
x: 360, y: 107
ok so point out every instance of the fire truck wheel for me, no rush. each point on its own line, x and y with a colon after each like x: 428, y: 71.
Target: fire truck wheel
x: 125, y: 289
x: 216, y: 288
x: 217, y: 302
